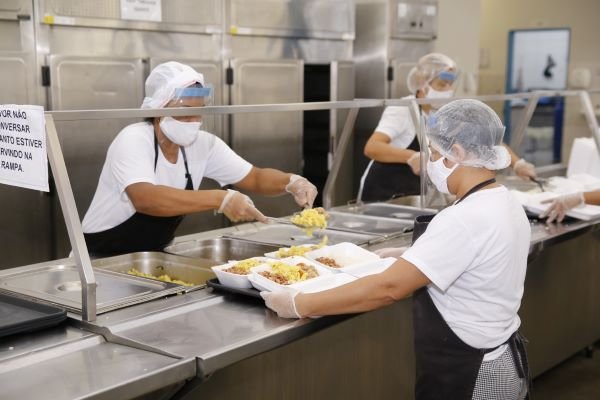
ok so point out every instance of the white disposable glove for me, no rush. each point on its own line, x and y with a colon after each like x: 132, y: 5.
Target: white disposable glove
x: 303, y: 191
x: 524, y: 169
x: 390, y: 252
x: 414, y: 162
x: 560, y: 205
x: 282, y: 302
x: 239, y: 207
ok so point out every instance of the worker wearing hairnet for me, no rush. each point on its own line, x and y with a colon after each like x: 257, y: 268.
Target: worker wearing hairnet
x: 560, y: 206
x: 153, y: 170
x: 394, y: 149
x: 467, y: 270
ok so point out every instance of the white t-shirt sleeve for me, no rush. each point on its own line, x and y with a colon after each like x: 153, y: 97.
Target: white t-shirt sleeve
x: 224, y: 165
x: 444, y: 251
x: 396, y: 123
x: 131, y: 159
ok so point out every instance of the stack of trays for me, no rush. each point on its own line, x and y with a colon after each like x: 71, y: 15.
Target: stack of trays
x: 19, y: 315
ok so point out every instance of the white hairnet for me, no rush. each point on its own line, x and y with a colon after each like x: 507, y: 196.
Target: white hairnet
x: 475, y: 127
x: 427, y: 69
x: 164, y: 79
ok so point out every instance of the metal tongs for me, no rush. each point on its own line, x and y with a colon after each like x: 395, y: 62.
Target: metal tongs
x: 540, y: 182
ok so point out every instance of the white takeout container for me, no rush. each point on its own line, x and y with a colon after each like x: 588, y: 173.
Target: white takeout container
x: 273, y: 254
x: 324, y: 282
x: 345, y: 254
x: 372, y: 268
x: 262, y: 283
x: 235, y: 280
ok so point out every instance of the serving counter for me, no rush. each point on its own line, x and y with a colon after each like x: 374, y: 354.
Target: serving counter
x: 204, y: 344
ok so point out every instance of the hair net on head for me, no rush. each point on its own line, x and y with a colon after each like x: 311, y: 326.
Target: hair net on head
x: 428, y: 68
x: 165, y: 79
x: 475, y: 127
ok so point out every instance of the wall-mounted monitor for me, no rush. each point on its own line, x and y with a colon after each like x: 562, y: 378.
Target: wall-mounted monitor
x: 538, y: 59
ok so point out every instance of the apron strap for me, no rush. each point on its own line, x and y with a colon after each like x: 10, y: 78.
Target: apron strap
x: 189, y: 184
x: 476, y: 188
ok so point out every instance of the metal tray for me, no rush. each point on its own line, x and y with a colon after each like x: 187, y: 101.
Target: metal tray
x: 386, y: 210
x: 250, y: 292
x: 19, y: 315
x: 220, y: 249
x: 367, y: 224
x: 289, y: 235
x: 60, y: 284
x: 196, y: 271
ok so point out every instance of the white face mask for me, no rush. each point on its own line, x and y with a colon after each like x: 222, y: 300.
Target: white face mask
x: 436, y: 94
x: 180, y: 133
x: 439, y: 173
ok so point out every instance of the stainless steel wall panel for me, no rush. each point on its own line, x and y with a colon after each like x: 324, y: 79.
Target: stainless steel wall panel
x: 80, y: 41
x: 10, y: 36
x: 312, y: 51
x: 268, y: 140
x: 79, y: 83
x: 398, y: 87
x: 342, y: 88
x: 414, y: 19
x: 15, y: 79
x: 307, y: 18
x: 177, y: 15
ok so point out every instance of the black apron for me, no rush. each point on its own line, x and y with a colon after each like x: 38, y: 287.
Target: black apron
x: 141, y: 232
x: 387, y: 180
x: 447, y: 367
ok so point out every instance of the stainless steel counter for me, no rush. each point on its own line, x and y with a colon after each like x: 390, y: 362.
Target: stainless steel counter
x: 162, y: 343
x: 68, y: 363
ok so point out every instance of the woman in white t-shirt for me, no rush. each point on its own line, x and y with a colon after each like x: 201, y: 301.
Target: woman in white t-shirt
x: 153, y: 170
x: 394, y: 149
x: 466, y: 271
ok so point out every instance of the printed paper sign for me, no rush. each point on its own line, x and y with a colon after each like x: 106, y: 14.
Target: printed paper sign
x: 141, y: 10
x: 23, y: 156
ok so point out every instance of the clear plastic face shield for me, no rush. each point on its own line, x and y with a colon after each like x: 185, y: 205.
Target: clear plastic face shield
x: 192, y: 96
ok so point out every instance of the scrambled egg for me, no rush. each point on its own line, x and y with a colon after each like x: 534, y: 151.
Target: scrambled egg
x: 293, y: 273
x: 163, y: 277
x: 311, y: 219
x: 243, y: 267
x: 296, y: 250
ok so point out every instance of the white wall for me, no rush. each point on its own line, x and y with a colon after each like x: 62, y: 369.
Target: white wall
x: 582, y: 16
x: 459, y: 36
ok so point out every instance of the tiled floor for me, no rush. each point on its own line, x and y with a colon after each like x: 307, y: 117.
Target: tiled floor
x: 578, y: 378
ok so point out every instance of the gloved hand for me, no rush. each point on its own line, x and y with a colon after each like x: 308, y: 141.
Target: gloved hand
x: 390, y: 252
x: 414, y: 162
x: 282, y: 302
x: 560, y: 205
x: 239, y: 207
x: 524, y: 169
x: 303, y: 191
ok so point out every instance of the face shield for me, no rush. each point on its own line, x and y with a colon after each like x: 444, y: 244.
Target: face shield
x: 192, y: 96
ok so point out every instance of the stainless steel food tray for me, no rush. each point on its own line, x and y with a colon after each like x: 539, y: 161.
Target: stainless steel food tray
x: 196, y: 271
x: 387, y: 227
x: 386, y: 210
x: 220, y: 249
x: 60, y: 284
x: 289, y: 235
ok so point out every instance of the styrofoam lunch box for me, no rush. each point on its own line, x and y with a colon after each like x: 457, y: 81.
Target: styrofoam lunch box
x: 262, y: 283
x: 345, y: 255
x: 235, y: 280
x: 273, y: 254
